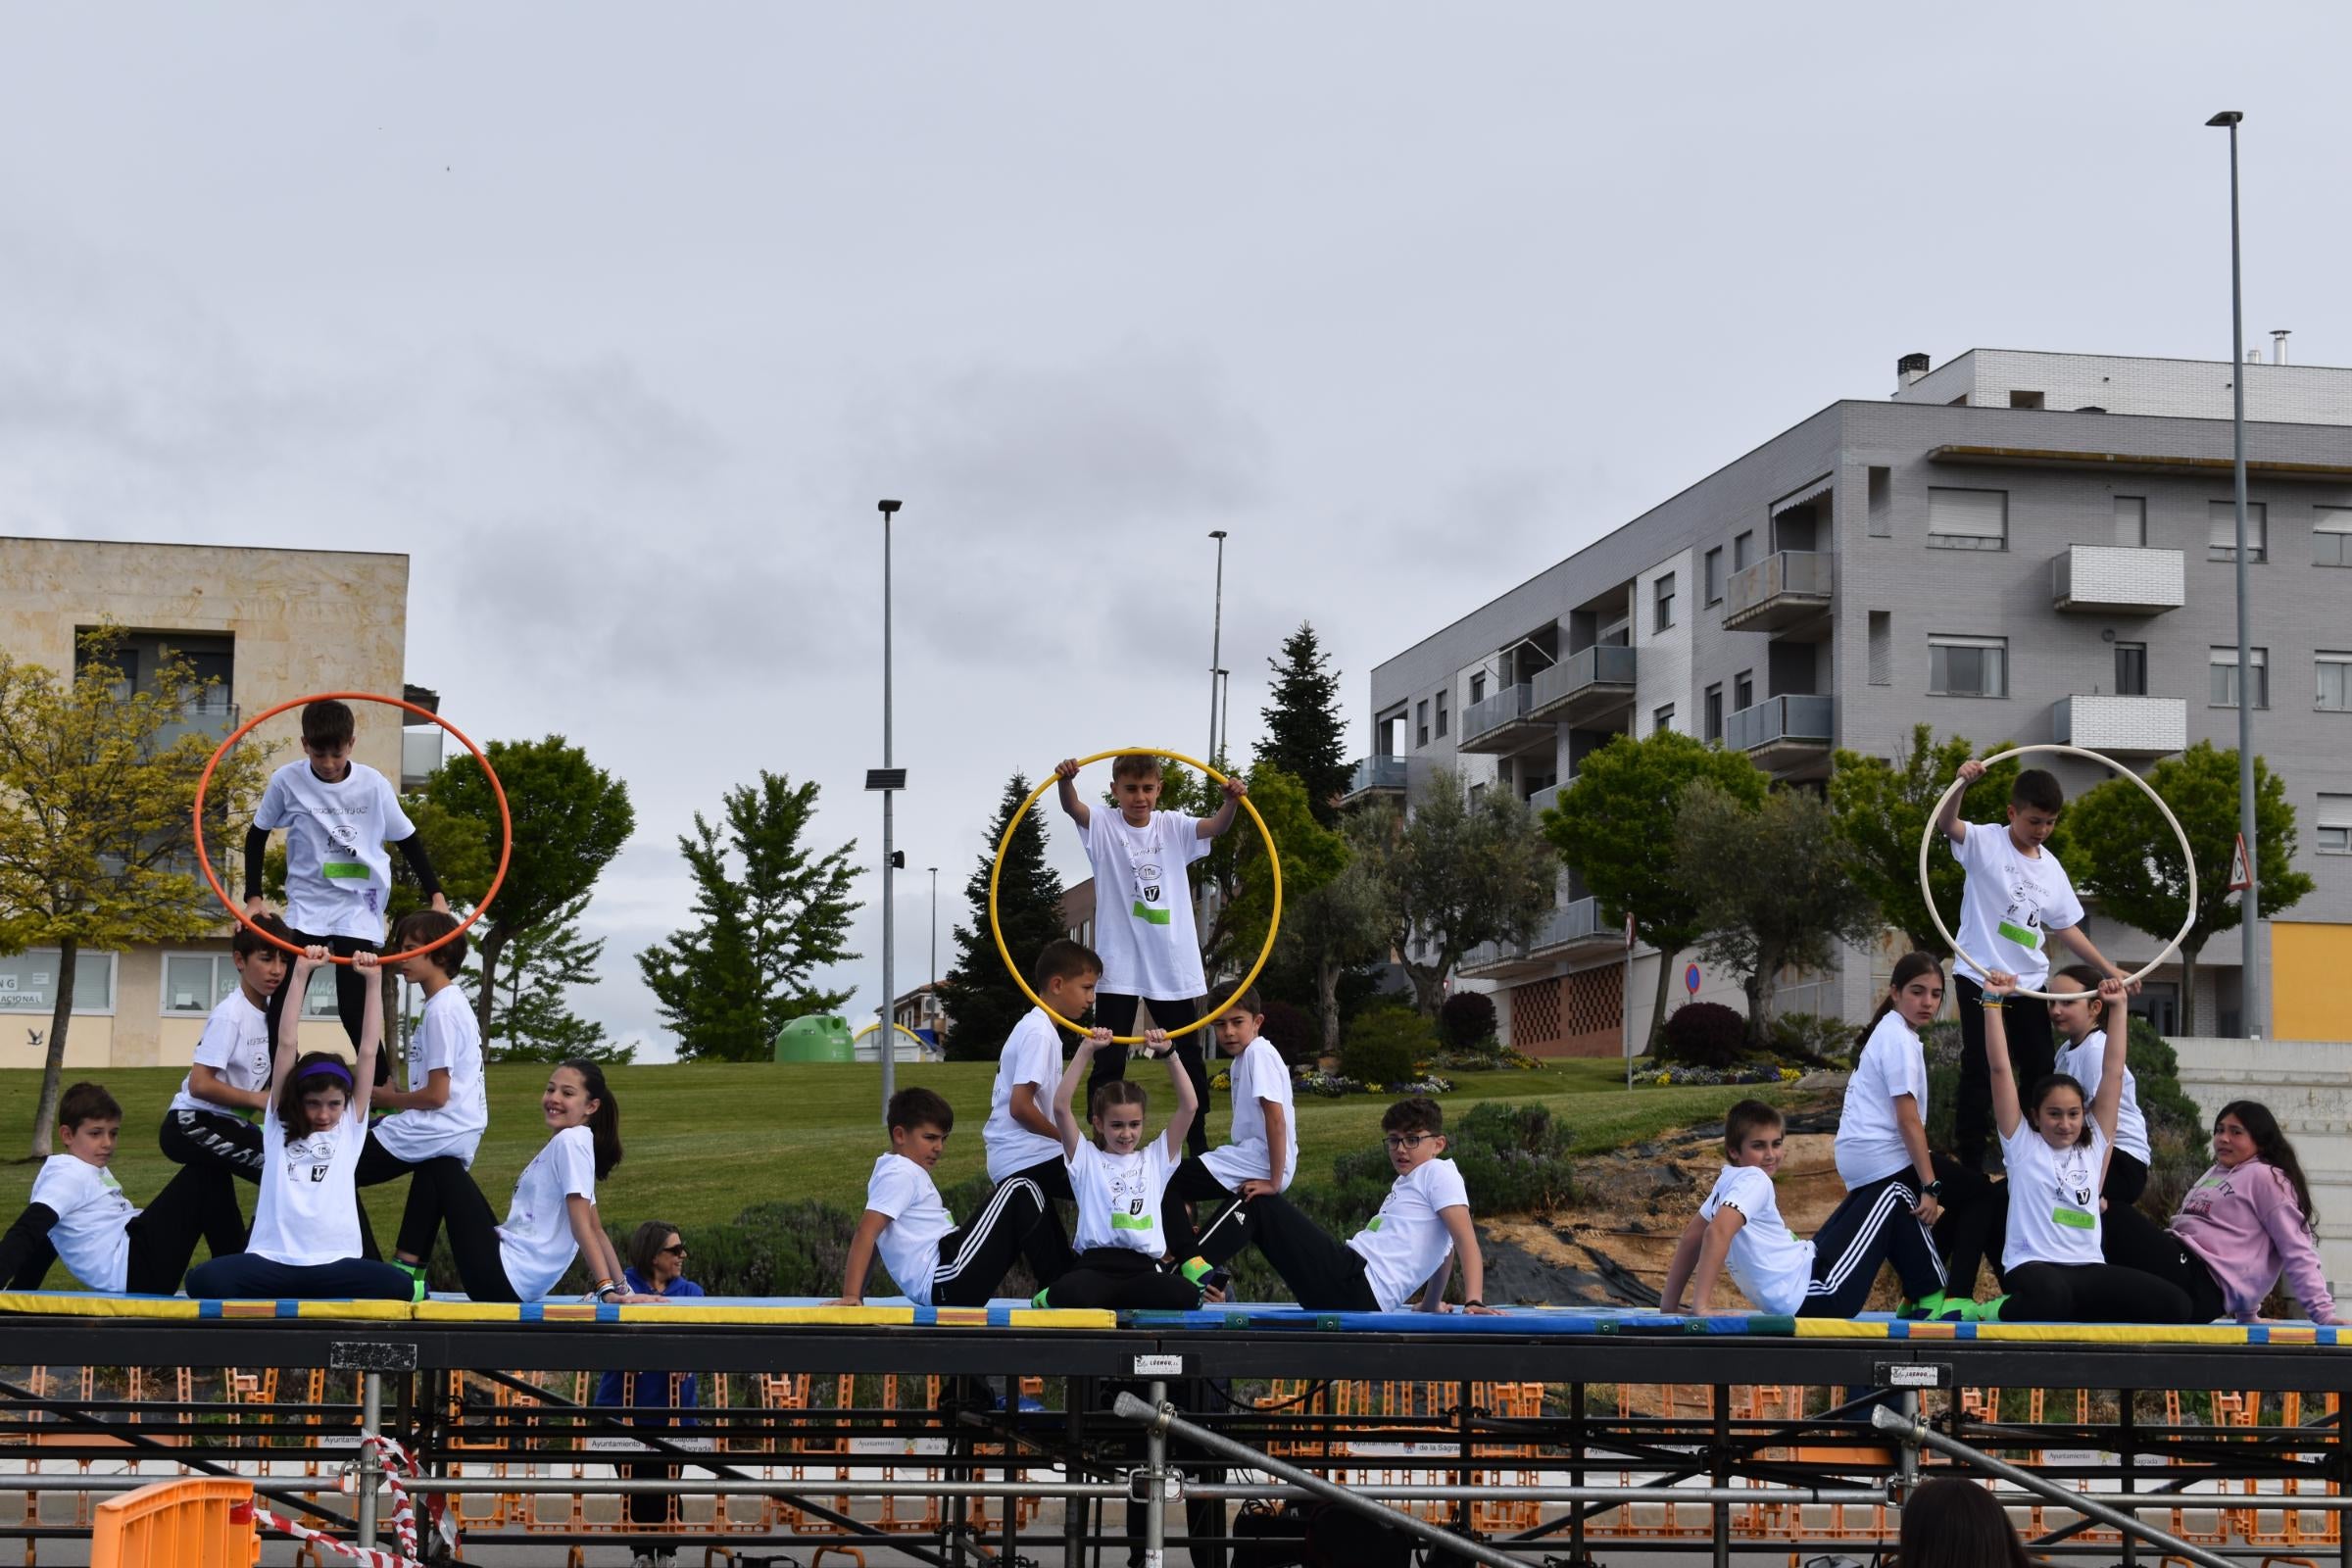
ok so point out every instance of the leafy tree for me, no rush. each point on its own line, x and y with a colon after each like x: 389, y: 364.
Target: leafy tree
x: 1306, y: 735
x: 1606, y: 824
x: 1774, y: 886
x: 1456, y: 873
x: 1326, y: 926
x: 1882, y: 807
x: 2122, y: 852
x: 1345, y: 925
x: 97, y: 789
x: 982, y: 1002
x: 771, y: 913
x: 532, y: 1018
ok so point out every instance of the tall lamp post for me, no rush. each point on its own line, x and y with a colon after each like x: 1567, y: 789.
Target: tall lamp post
x: 889, y: 780
x: 2254, y: 1017
x: 1216, y: 643
x: 934, y: 870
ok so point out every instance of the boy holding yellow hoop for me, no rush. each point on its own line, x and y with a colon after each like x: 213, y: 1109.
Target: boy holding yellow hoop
x: 1144, y: 913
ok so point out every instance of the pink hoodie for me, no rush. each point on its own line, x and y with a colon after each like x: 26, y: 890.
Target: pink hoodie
x: 2244, y: 1223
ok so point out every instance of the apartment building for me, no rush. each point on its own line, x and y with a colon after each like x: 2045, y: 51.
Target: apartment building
x: 266, y: 625
x: 2013, y: 546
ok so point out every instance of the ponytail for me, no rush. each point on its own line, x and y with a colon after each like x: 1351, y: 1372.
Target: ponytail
x: 1907, y: 968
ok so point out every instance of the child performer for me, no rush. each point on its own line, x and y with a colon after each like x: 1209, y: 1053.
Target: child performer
x: 931, y: 1259
x: 231, y: 1072
x: 1882, y: 1144
x: 1020, y: 1137
x: 78, y: 1212
x: 445, y: 1110
x: 1262, y: 1152
x: 1121, y: 1244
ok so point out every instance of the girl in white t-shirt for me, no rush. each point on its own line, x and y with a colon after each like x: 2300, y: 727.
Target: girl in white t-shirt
x: 1882, y: 1144
x: 2055, y: 1146
x: 1118, y: 1179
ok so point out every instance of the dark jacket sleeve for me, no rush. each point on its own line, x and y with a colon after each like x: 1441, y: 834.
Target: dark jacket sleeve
x: 412, y: 851
x: 257, y: 845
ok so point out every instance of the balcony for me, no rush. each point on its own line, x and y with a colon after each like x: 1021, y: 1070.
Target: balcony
x: 1570, y: 931
x: 1781, y: 592
x: 209, y: 717
x: 1501, y: 725
x: 1786, y: 736
x: 1544, y: 800
x: 2122, y: 727
x: 1374, y: 775
x: 2118, y: 580
x: 1590, y: 684
x: 419, y: 757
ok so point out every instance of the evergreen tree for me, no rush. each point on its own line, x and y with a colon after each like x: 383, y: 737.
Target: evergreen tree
x: 531, y: 1017
x: 1306, y: 735
x: 981, y: 1000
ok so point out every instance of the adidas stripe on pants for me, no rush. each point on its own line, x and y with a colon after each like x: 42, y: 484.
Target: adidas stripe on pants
x: 1873, y: 1226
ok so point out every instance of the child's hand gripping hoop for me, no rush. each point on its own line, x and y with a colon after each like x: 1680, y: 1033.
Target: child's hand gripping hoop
x: 1273, y: 920
x: 2189, y: 857
x: 505, y: 820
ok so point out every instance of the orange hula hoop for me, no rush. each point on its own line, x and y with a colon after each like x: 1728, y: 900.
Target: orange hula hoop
x: 506, y: 820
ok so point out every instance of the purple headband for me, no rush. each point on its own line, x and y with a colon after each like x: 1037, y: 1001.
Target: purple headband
x: 330, y: 1069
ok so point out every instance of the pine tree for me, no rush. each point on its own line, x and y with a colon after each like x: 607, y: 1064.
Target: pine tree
x: 531, y: 1017
x: 1306, y: 735
x: 981, y: 1000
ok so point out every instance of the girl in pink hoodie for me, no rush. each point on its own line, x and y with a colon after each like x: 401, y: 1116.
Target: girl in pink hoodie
x: 2248, y: 1221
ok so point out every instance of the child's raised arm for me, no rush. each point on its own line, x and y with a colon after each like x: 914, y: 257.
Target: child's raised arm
x: 1210, y: 826
x: 1073, y: 807
x: 1188, y: 1098
x: 2005, y: 1112
x: 2106, y: 1102
x: 1067, y: 1122
x: 870, y: 1227
x: 289, y: 1021
x: 371, y: 1034
x: 1949, y: 824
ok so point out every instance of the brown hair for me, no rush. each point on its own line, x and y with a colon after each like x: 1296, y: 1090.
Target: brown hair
x: 1418, y: 1114
x: 249, y: 939
x: 87, y: 1102
x: 1135, y: 765
x: 1248, y: 1002
x: 421, y: 926
x: 920, y: 1108
x: 1117, y: 1092
x: 1064, y: 959
x: 327, y: 723
x: 2036, y: 791
x: 646, y: 1245
x: 1744, y: 1118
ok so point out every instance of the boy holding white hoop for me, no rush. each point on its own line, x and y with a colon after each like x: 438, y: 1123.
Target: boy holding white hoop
x: 1144, y: 913
x: 2016, y: 900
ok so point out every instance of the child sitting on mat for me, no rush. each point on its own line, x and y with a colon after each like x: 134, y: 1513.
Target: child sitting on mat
x: 1260, y: 1153
x: 445, y: 1110
x: 1119, y: 1179
x: 1892, y: 1193
x: 1020, y: 1136
x: 1410, y: 1249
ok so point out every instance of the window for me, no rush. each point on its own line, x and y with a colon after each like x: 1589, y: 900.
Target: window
x: 1714, y: 711
x: 1968, y: 519
x: 28, y: 982
x: 1478, y: 687
x: 2220, y: 538
x: 2025, y: 400
x: 2336, y: 683
x: 1742, y: 545
x: 1967, y: 666
x: 1743, y: 690
x: 2130, y: 670
x: 1663, y: 595
x: 1662, y: 720
x: 1882, y: 503
x: 2331, y: 536
x: 1441, y: 715
x: 194, y: 982
x: 2131, y: 521
x: 1714, y: 571
x: 2335, y: 824
x: 2225, y: 677
x: 1881, y: 647
x: 1421, y: 723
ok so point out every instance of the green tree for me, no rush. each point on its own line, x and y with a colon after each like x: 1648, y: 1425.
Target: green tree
x: 97, y: 834
x: 982, y: 1002
x: 1774, y: 886
x: 1456, y: 873
x: 1306, y: 735
x: 1343, y: 925
x: 2122, y: 852
x: 531, y: 1013
x: 771, y: 911
x: 1330, y: 931
x: 1882, y: 807
x: 1605, y: 823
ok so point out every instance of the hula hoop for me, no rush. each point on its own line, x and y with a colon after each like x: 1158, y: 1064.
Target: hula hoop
x: 1273, y: 921
x: 506, y: 820
x: 2188, y: 856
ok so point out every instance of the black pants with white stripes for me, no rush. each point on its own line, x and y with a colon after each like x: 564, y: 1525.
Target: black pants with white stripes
x: 1873, y: 1226
x: 222, y: 1142
x: 974, y: 1256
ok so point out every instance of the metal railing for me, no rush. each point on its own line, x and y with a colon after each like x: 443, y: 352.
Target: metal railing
x: 1377, y: 773
x: 1802, y: 574
x: 1782, y: 718
x: 1601, y: 664
x: 1493, y: 713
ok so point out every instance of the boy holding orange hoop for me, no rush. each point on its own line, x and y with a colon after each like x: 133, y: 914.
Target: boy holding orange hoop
x: 1144, y: 913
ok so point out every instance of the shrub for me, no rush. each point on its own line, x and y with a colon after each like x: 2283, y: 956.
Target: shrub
x: 1813, y: 1038
x: 1466, y: 1018
x: 792, y: 1248
x: 1703, y: 1034
x: 1384, y: 1045
x: 1513, y: 1159
x: 1291, y: 1032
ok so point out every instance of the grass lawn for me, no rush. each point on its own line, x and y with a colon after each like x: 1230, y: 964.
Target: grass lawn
x: 705, y: 1140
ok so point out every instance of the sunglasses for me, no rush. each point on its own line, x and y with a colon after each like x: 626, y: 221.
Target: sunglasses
x: 678, y: 1250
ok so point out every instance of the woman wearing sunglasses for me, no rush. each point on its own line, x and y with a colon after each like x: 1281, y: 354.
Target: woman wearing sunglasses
x: 657, y: 1266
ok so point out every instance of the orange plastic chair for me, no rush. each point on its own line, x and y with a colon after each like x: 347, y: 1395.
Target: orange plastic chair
x: 203, y: 1522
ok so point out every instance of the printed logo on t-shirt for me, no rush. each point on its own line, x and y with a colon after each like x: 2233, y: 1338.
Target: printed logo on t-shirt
x: 1130, y: 1196
x: 310, y: 1159
x: 1150, y: 906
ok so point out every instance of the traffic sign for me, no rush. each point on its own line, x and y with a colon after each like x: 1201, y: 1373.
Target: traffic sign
x: 2241, y: 872
x: 1691, y: 979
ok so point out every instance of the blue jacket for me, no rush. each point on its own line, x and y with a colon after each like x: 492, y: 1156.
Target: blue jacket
x: 653, y: 1391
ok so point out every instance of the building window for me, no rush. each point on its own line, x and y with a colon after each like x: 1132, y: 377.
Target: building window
x: 2025, y: 400
x: 1478, y: 687
x: 2130, y: 670
x: 194, y: 983
x: 2131, y: 521
x: 1742, y: 545
x: 1881, y: 647
x: 1882, y: 503
x: 1714, y: 711
x: 1441, y: 715
x: 2220, y: 537
x: 1715, y: 575
x: 1663, y: 595
x: 1662, y: 720
x: 1421, y: 723
x: 2331, y: 536
x: 2336, y: 683
x: 1743, y: 690
x: 1968, y: 519
x: 2225, y: 677
x: 28, y: 982
x: 2335, y: 824
x: 1967, y: 666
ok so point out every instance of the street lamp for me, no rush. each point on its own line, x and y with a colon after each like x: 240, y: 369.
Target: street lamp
x: 934, y: 870
x: 1216, y: 643
x: 889, y: 780
x: 2254, y: 1017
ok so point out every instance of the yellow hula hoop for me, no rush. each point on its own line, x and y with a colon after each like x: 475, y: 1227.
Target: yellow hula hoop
x: 1273, y: 921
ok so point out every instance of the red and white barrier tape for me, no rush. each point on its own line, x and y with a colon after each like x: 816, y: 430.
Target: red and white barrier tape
x: 404, y: 1517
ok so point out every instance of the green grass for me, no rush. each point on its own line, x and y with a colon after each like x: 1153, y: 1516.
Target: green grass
x: 705, y: 1141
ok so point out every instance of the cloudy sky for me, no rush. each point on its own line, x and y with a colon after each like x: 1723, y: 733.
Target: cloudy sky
x: 618, y: 320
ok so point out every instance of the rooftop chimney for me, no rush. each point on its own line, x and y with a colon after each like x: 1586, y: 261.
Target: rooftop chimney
x: 1909, y: 369
x: 2278, y: 345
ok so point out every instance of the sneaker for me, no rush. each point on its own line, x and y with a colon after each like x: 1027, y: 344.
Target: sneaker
x: 1929, y: 1305
x: 1039, y: 1299
x: 415, y: 1274
x: 1991, y: 1311
x: 1955, y: 1312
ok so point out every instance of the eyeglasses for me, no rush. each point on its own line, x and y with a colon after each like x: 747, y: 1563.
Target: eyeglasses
x: 1407, y: 1140
x: 680, y: 1250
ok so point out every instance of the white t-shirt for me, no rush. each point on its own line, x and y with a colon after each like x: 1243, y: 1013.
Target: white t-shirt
x: 1771, y: 1266
x: 1259, y: 1075
x: 1118, y: 1196
x: 447, y: 1036
x: 919, y: 1223
x: 1406, y: 1242
x: 1032, y: 1055
x: 235, y: 1046
x: 536, y: 1244
x: 1868, y: 1143
x: 91, y: 1213
x: 1144, y: 904
x: 337, y: 874
x: 2010, y: 903
x: 2053, y: 1198
x: 2081, y: 1063
x: 306, y: 1211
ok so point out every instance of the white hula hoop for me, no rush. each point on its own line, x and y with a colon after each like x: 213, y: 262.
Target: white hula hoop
x: 2188, y: 856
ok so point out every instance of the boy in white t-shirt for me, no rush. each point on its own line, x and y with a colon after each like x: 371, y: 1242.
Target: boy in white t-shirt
x: 932, y: 1259
x: 338, y: 815
x: 2017, y: 898
x: 1262, y: 1155
x: 1022, y: 1138
x: 231, y: 1072
x: 1403, y: 1257
x: 1144, y: 912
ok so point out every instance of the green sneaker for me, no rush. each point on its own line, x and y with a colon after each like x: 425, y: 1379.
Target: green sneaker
x: 1991, y: 1311
x: 415, y: 1274
x: 1951, y: 1311
x: 1039, y: 1299
x: 1197, y: 1269
x: 1929, y: 1305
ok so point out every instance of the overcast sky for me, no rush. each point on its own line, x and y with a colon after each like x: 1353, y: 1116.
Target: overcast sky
x: 618, y: 320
